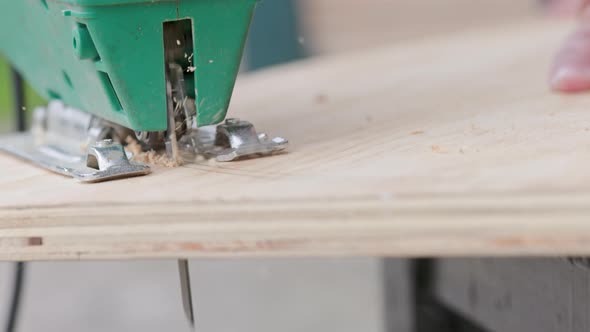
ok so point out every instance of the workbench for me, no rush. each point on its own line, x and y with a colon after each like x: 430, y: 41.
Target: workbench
x: 443, y: 147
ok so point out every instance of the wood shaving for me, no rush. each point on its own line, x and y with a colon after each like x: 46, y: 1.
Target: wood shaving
x: 438, y: 149
x: 133, y: 146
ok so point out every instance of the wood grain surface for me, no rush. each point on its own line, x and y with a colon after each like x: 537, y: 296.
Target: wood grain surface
x: 451, y: 146
x: 331, y: 26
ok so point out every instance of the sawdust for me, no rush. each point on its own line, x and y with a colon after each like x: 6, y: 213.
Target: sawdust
x: 438, y: 149
x: 149, y: 157
x: 133, y: 146
x: 320, y: 99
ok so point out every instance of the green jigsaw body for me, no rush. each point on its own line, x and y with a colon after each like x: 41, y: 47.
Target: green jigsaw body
x: 107, y: 57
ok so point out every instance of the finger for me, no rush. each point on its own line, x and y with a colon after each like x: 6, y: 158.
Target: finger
x: 571, y: 69
x: 562, y: 8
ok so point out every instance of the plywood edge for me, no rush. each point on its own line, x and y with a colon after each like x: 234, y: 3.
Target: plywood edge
x: 371, y: 226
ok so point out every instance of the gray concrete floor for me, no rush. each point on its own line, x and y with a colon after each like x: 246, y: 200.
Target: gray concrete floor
x: 230, y: 295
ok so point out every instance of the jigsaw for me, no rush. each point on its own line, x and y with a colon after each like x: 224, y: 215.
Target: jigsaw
x: 159, y: 73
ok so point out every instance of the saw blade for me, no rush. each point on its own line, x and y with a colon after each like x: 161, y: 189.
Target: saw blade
x: 186, y: 292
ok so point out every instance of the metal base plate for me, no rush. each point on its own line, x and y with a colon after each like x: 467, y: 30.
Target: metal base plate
x: 232, y: 140
x: 55, y: 159
x: 76, y: 144
x: 67, y: 141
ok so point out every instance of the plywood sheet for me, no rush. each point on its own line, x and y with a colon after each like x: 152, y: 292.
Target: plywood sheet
x: 451, y: 146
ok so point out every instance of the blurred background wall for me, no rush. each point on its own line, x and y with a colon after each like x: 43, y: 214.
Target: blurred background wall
x: 343, y: 25
x: 255, y: 295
